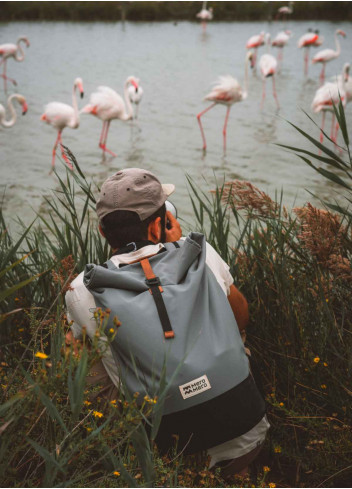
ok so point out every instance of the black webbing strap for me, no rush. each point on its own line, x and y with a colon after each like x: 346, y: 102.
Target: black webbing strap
x: 175, y: 243
x: 156, y: 290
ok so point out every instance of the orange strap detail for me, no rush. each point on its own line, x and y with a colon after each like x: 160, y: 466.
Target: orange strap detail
x: 148, y: 271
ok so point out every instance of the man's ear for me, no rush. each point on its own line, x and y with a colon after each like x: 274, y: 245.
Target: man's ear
x: 101, y: 231
x: 154, y: 230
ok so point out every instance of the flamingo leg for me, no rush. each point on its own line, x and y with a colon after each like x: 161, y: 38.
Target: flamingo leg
x: 255, y: 58
x: 322, y: 127
x: 306, y: 60
x: 224, y: 131
x: 103, y: 143
x: 263, y: 95
x: 5, y: 77
x: 332, y: 135
x: 67, y: 161
x: 274, y: 93
x: 102, y: 134
x: 200, y: 124
x: 322, y: 74
x: 54, y: 151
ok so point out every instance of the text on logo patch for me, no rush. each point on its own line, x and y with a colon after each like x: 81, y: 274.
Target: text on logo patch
x: 196, y: 386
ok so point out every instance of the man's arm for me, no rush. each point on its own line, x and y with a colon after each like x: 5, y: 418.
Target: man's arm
x: 239, y: 306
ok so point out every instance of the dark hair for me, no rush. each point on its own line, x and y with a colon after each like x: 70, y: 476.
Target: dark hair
x: 124, y: 227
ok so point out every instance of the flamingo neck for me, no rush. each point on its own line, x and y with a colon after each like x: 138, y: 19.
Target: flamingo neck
x: 129, y: 112
x: 10, y: 122
x: 19, y: 53
x: 75, y: 120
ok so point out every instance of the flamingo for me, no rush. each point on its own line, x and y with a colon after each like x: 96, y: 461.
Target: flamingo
x: 254, y: 43
x: 328, y: 95
x: 12, y: 51
x: 135, y: 94
x: 306, y: 41
x: 327, y: 55
x: 285, y: 11
x: 280, y: 42
x: 227, y: 91
x: 205, y: 15
x: 10, y: 122
x: 268, y: 67
x: 107, y: 105
x: 60, y: 115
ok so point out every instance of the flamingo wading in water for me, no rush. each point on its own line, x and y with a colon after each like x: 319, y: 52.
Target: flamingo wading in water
x: 327, y: 96
x: 280, y: 42
x: 10, y: 122
x: 107, y: 105
x: 205, y: 15
x: 61, y: 115
x: 135, y: 95
x: 327, y: 55
x: 254, y: 43
x: 285, y: 11
x: 268, y: 67
x: 227, y: 91
x: 12, y: 51
x: 306, y: 41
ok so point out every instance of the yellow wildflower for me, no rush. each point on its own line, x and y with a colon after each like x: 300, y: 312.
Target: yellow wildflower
x: 111, y: 330
x: 277, y: 449
x: 323, y: 386
x: 327, y: 300
x: 88, y: 428
x: 325, y: 364
x: 266, y: 468
x: 39, y: 354
x: 20, y: 330
x: 316, y: 360
x: 87, y: 403
x: 113, y: 402
x: 117, y: 473
x: 272, y: 484
x: 281, y: 404
x: 97, y: 414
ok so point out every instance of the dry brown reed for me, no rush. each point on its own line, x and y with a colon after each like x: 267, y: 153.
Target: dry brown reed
x: 245, y: 196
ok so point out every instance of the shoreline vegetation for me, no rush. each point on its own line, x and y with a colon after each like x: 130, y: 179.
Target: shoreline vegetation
x: 295, y: 271
x: 169, y: 11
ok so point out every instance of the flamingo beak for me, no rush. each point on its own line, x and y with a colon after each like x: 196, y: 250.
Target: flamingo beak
x: 343, y: 33
x: 24, y: 108
x: 135, y: 84
x: 80, y: 87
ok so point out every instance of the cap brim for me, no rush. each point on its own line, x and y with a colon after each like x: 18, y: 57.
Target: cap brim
x: 168, y: 188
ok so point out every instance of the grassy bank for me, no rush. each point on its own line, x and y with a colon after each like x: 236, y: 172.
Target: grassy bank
x: 295, y: 270
x: 169, y: 11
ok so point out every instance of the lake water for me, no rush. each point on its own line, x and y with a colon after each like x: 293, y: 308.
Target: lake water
x: 177, y: 65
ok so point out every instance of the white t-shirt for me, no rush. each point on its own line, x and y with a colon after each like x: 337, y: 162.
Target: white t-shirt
x: 81, y: 306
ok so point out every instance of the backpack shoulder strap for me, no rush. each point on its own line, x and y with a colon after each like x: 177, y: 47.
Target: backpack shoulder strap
x: 156, y: 290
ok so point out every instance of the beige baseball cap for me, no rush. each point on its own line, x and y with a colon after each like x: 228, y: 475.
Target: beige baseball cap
x: 132, y: 189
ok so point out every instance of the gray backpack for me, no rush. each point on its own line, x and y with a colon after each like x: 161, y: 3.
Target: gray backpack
x: 178, y: 327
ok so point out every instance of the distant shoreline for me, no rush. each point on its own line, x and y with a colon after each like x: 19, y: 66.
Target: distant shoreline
x: 170, y: 11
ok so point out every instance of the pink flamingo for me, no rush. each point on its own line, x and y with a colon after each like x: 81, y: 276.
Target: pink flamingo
x: 205, y: 15
x: 328, y: 95
x: 61, y: 115
x: 107, y: 105
x: 10, y: 122
x: 327, y: 55
x: 268, y: 67
x: 306, y: 41
x: 285, y: 11
x: 227, y: 91
x: 12, y: 51
x: 135, y: 95
x: 254, y: 43
x: 280, y: 42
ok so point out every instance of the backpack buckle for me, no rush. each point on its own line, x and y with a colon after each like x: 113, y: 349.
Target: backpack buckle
x: 152, y: 281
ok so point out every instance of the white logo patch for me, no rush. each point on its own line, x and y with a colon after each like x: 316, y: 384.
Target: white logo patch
x: 196, y: 386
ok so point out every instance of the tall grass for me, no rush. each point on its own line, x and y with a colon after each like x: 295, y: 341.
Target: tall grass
x: 295, y: 270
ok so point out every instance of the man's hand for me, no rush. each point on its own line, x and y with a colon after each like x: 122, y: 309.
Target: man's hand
x: 175, y: 232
